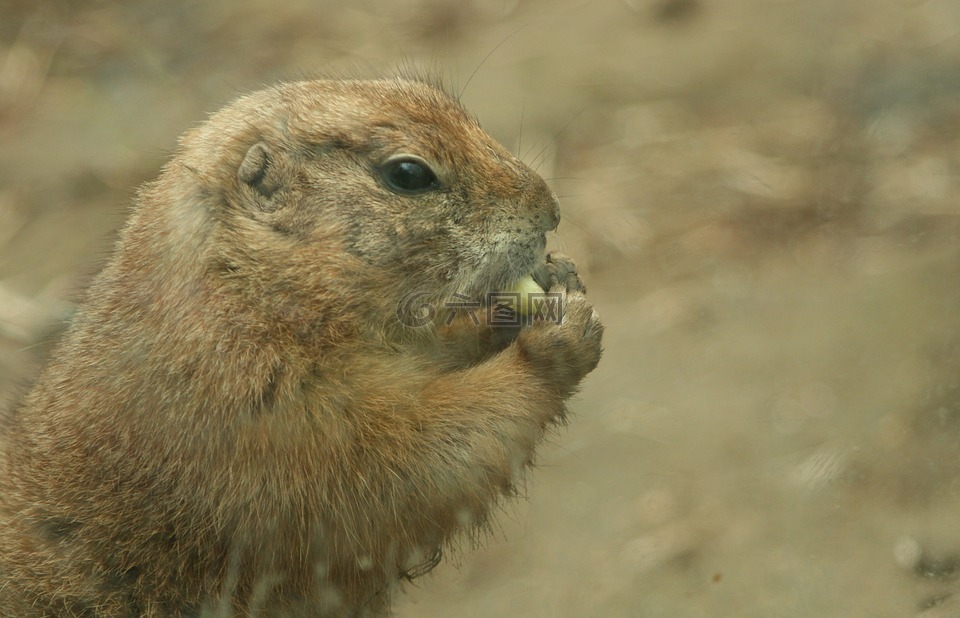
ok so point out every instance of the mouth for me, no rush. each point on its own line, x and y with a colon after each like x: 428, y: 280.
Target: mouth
x: 507, y: 273
x: 501, y: 265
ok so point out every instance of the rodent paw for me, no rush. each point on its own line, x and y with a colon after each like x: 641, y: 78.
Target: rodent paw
x: 559, y: 270
x: 563, y: 354
x: 583, y: 320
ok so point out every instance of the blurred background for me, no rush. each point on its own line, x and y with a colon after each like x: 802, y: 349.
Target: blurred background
x: 764, y: 200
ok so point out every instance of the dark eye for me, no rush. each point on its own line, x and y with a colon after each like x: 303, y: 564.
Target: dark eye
x: 409, y: 175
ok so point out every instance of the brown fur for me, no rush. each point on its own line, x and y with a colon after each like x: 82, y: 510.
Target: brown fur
x: 236, y: 422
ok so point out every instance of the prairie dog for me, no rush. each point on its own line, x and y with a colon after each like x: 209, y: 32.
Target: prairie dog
x: 236, y: 421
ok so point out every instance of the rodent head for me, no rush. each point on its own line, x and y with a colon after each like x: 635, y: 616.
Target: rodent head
x: 388, y: 183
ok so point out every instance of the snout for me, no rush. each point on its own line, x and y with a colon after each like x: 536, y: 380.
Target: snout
x: 551, y: 215
x: 544, y: 204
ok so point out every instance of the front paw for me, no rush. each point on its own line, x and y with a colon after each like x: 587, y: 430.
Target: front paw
x: 561, y: 355
x: 559, y: 270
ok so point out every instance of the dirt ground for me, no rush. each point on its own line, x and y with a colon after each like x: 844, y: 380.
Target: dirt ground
x: 764, y: 197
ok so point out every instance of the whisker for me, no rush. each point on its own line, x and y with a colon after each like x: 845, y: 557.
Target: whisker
x: 482, y: 62
x: 537, y: 162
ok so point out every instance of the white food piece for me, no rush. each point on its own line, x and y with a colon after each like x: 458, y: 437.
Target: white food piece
x: 526, y: 287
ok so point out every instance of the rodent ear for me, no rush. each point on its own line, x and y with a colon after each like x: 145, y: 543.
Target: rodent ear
x: 256, y: 171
